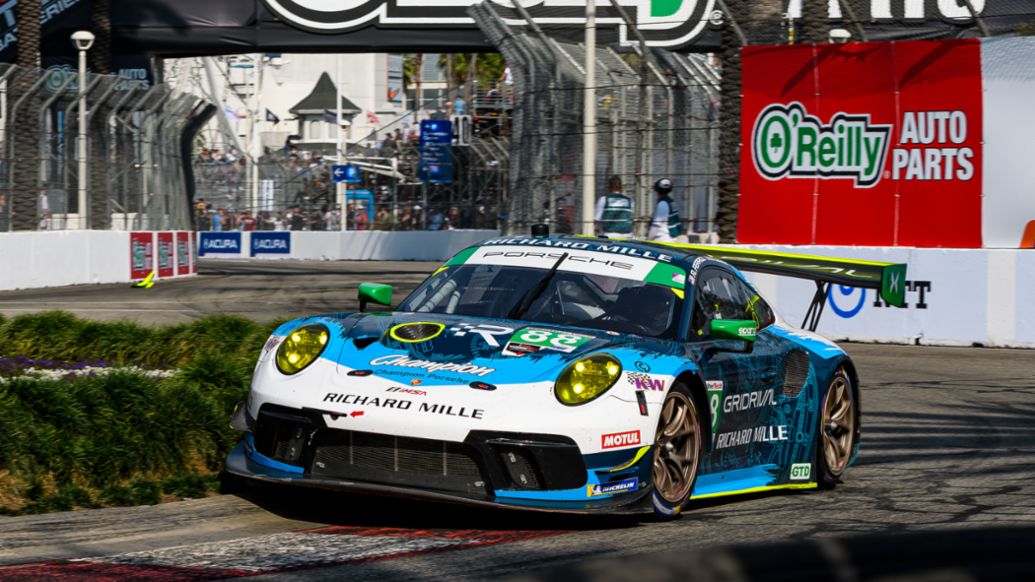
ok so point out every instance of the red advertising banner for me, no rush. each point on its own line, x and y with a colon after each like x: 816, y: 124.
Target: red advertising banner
x: 862, y: 144
x: 166, y: 254
x: 141, y: 254
x: 183, y: 262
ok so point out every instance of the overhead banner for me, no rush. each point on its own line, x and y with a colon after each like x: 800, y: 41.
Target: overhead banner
x: 876, y: 144
x: 173, y: 28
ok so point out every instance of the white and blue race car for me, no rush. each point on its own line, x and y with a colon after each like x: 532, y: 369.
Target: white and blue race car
x: 564, y: 374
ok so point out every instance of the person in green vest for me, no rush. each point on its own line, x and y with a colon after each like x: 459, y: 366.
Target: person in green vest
x: 614, y: 212
x: 665, y: 226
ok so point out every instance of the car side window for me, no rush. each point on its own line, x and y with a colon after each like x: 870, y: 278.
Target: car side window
x: 720, y: 295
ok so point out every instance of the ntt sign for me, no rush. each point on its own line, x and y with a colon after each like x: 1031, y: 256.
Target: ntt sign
x: 663, y: 22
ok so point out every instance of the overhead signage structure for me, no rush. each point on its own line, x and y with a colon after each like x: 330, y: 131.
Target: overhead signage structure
x: 664, y: 23
x: 202, y: 27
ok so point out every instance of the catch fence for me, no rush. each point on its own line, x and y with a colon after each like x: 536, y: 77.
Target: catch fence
x: 137, y: 150
x: 657, y: 116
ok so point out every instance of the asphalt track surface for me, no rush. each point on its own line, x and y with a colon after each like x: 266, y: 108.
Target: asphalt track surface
x: 944, y: 488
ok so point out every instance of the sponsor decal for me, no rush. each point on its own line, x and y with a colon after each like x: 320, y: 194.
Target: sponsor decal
x: 847, y: 302
x: 620, y: 439
x: 714, y: 390
x: 416, y: 382
x: 450, y: 410
x: 613, y: 487
x: 403, y: 361
x: 801, y: 471
x: 402, y: 404
x: 642, y: 366
x: 573, y: 258
x: 692, y: 277
x: 531, y: 339
x: 644, y: 382
x: 271, y: 243
x: 749, y: 400
x: 789, y: 142
x: 374, y: 401
x: 948, y: 159
x: 410, y: 391
x: 220, y: 242
x: 758, y: 434
x: 661, y: 22
x: 486, y: 331
x: 141, y: 253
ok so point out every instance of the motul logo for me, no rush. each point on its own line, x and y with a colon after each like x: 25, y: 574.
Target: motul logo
x: 620, y: 439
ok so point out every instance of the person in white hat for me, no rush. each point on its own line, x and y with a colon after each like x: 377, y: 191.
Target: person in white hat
x: 665, y: 226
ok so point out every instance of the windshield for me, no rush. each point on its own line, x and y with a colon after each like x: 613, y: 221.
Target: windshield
x: 568, y: 298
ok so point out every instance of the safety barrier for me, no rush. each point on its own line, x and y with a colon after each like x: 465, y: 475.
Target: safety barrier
x: 74, y: 257
x: 367, y: 245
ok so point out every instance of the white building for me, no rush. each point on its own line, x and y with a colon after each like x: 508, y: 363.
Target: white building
x: 371, y: 82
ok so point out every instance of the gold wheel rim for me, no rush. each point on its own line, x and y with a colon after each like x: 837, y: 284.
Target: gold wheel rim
x: 838, y: 425
x: 676, y: 448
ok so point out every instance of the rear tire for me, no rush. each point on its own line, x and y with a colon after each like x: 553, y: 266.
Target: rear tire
x: 678, y: 448
x: 835, y: 439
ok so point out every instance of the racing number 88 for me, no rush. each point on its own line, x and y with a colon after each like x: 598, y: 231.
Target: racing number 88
x: 542, y: 336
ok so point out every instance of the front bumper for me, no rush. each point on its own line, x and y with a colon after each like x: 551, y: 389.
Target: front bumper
x: 527, y: 471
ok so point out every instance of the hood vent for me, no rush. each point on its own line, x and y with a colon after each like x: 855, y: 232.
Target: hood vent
x: 418, y: 331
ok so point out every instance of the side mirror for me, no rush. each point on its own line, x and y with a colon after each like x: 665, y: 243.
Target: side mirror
x: 374, y: 293
x: 734, y: 329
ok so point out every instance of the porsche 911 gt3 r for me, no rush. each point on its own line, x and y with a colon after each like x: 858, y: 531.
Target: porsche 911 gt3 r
x: 564, y: 374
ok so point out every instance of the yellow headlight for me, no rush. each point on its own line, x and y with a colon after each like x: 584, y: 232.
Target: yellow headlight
x: 301, y: 348
x: 586, y: 379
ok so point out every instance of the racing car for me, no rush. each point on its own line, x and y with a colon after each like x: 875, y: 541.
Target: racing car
x: 565, y: 374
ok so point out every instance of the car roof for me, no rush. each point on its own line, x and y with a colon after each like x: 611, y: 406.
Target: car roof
x: 681, y: 257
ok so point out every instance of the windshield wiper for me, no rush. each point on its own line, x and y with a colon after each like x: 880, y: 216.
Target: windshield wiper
x: 531, y: 296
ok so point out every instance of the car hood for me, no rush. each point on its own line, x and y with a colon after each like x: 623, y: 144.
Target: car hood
x: 432, y: 349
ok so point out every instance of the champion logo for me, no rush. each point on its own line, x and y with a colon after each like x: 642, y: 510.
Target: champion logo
x: 620, y: 439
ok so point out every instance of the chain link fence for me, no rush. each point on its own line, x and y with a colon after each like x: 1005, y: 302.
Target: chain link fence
x: 657, y: 116
x: 295, y: 189
x: 137, y: 143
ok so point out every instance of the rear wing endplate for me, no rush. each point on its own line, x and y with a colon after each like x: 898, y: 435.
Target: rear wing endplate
x: 888, y: 279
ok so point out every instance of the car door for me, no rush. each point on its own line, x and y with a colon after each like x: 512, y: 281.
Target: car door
x: 741, y: 378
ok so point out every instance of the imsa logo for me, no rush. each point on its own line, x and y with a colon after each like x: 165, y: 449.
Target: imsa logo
x: 788, y: 142
x: 663, y: 22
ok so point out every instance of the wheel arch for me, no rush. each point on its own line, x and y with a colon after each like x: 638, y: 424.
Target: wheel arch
x: 693, y: 382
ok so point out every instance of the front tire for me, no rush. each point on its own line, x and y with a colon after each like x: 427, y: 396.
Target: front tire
x: 837, y: 429
x: 678, y: 447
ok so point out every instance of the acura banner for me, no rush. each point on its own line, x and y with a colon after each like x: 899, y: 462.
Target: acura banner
x: 887, y: 144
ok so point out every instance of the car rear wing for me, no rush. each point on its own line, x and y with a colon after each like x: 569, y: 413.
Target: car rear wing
x: 888, y: 279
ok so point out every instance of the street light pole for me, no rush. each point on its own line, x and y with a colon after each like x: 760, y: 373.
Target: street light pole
x: 83, y: 40
x: 589, y: 122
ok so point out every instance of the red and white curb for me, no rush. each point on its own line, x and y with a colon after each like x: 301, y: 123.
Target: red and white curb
x: 316, y: 548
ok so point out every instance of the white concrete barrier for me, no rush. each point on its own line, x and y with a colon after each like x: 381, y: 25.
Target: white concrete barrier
x: 953, y: 296
x: 30, y: 260
x: 367, y: 245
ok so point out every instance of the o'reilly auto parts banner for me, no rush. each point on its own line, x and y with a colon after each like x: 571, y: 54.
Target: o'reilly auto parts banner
x: 923, y: 143
x: 863, y: 144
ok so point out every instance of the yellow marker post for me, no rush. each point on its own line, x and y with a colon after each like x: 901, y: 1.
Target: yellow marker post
x: 146, y: 283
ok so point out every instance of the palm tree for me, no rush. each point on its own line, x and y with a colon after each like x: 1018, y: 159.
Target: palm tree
x: 729, y: 125
x: 100, y: 24
x: 25, y: 166
x: 100, y: 63
x: 814, y: 21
